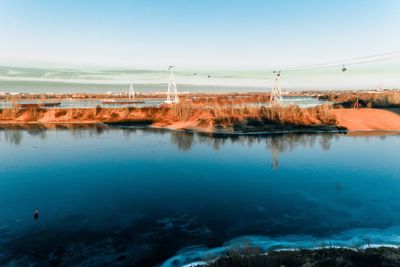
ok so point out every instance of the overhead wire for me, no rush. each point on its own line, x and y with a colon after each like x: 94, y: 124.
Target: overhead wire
x: 349, y: 61
x: 340, y: 65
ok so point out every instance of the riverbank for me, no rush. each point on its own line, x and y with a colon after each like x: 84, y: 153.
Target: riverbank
x: 218, y: 120
x: 367, y: 119
x: 382, y: 256
x: 186, y: 116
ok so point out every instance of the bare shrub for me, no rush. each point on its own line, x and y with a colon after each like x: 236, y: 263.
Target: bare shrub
x: 98, y: 109
x: 182, y: 111
x: 60, y: 113
x: 114, y: 115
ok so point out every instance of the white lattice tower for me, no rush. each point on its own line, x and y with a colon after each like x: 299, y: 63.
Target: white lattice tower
x: 131, y: 93
x: 276, y: 93
x: 379, y: 87
x: 172, y: 92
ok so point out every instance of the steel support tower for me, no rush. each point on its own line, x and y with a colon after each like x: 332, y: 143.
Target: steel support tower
x: 276, y: 93
x: 172, y: 92
x: 131, y: 93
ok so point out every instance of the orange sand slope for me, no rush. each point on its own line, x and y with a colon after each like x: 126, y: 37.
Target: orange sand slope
x: 367, y: 119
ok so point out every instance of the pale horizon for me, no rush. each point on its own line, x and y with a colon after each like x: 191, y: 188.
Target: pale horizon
x: 238, y: 43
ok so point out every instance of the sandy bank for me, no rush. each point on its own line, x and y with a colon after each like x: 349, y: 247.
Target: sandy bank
x: 367, y: 119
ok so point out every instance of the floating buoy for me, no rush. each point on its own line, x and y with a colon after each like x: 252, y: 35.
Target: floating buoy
x: 35, y: 214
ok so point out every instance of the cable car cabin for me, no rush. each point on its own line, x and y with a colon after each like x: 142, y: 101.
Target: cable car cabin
x: 344, y: 68
x: 278, y: 73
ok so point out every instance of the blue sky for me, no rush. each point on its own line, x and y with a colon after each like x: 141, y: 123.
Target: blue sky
x: 206, y: 33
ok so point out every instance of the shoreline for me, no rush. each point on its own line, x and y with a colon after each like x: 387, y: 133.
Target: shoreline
x: 351, y: 245
x: 374, y: 255
x: 49, y: 126
x: 225, y: 113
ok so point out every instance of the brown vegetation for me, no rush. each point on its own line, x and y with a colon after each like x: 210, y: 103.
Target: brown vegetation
x: 385, y: 99
x: 234, y: 112
x: 184, y: 115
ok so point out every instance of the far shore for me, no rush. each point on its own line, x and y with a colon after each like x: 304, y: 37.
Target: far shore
x: 236, y: 114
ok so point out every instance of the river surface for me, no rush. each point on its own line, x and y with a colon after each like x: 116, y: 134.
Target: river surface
x: 149, y: 197
x: 301, y: 101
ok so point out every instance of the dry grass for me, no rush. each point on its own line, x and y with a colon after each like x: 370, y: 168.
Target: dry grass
x: 384, y: 99
x: 292, y: 115
x: 182, y: 111
x: 222, y: 111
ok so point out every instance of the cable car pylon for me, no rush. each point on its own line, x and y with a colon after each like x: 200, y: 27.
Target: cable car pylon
x: 276, y: 93
x: 172, y: 92
x: 131, y: 93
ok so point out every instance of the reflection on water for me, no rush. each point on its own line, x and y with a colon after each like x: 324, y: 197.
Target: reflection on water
x: 184, y: 140
x: 276, y: 143
x: 138, y: 197
x: 13, y: 136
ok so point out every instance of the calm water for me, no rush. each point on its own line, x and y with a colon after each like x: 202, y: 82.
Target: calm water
x: 145, y: 197
x: 301, y: 101
x: 92, y: 103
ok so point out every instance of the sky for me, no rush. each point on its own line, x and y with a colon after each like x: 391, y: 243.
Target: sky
x: 198, y: 33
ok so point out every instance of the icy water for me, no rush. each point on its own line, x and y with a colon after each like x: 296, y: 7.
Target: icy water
x: 301, y: 101
x: 147, y: 197
x: 93, y: 103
